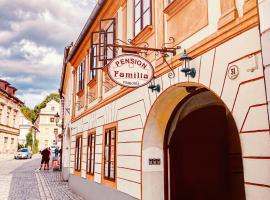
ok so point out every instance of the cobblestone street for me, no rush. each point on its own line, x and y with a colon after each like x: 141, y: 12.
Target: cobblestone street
x: 20, y: 180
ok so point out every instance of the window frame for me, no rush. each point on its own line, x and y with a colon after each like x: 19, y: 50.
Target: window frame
x: 141, y: 18
x: 78, y: 165
x: 80, y: 74
x: 103, y: 57
x: 52, y: 119
x: 109, y: 154
x: 91, y: 136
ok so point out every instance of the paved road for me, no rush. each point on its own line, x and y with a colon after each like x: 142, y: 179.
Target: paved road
x: 20, y: 180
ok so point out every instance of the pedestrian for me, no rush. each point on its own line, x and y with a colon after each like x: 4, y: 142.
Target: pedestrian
x: 43, y: 158
x: 48, y: 155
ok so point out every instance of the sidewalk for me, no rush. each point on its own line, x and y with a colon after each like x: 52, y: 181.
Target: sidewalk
x: 6, y: 157
x: 51, y: 186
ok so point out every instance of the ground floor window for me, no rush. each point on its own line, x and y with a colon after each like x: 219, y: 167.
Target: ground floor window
x: 78, y: 152
x: 110, y: 153
x: 91, y: 141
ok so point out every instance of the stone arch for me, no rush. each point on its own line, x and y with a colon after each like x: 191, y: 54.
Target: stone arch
x: 176, y: 102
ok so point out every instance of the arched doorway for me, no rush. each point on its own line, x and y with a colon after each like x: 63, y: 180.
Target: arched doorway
x: 196, y: 139
x: 202, y: 151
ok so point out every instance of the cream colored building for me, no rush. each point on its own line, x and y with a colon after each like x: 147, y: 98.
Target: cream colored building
x: 199, y: 137
x: 46, y: 124
x: 9, y: 118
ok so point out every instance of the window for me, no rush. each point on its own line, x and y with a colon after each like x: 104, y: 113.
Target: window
x: 142, y: 15
x: 109, y: 153
x: 93, y: 56
x: 55, y: 131
x: 91, y: 141
x: 107, y: 36
x: 52, y: 119
x: 5, y: 140
x: 52, y: 108
x: 81, y: 77
x: 78, y: 152
x: 12, y: 140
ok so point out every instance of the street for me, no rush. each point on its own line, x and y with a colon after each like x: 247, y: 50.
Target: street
x: 20, y: 180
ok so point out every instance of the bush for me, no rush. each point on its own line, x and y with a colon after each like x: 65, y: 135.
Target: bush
x: 20, y: 146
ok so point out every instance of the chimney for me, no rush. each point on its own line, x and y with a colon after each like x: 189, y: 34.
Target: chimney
x: 11, y: 90
x: 3, y: 85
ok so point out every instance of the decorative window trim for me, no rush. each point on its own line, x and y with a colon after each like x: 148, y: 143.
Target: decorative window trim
x: 90, y: 137
x: 77, y: 171
x: 142, y: 27
x: 175, y: 6
x: 81, y: 76
x: 110, y: 182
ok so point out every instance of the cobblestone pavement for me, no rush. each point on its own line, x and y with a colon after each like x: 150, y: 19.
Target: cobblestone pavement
x: 20, y: 180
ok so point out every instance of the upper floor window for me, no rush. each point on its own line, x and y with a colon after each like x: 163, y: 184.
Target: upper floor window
x: 93, y: 55
x: 107, y: 36
x: 81, y: 76
x: 52, y: 108
x: 91, y: 141
x: 52, y: 119
x: 55, y: 131
x: 78, y: 152
x: 142, y: 15
x: 5, y: 140
x: 109, y: 153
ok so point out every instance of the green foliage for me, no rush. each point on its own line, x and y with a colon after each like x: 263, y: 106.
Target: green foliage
x: 29, y: 139
x: 20, y: 146
x: 35, y: 146
x: 32, y: 114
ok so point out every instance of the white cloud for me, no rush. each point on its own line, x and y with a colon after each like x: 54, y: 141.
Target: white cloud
x: 33, y: 99
x: 33, y: 35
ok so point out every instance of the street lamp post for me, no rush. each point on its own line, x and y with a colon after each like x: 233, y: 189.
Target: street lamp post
x: 57, y: 119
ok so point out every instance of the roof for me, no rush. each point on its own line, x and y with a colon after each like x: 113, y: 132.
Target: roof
x: 91, y: 19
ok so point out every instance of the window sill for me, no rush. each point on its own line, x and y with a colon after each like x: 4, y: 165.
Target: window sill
x: 77, y: 173
x: 89, y: 176
x: 143, y: 35
x: 175, y: 6
x: 92, y: 82
x: 109, y: 183
x: 80, y: 93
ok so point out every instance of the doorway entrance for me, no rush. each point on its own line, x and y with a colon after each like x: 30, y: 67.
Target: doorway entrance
x: 202, y: 151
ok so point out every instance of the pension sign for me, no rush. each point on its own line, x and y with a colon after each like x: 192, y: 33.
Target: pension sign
x: 130, y: 70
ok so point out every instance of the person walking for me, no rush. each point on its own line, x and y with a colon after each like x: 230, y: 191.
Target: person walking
x: 45, y: 153
x: 48, y: 155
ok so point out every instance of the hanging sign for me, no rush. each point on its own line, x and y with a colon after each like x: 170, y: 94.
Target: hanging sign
x: 130, y: 70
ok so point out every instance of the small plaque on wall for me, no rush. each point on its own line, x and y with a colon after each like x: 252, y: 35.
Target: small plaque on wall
x: 154, y: 161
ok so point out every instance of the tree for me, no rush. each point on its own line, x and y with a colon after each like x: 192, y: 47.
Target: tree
x: 29, y: 139
x: 32, y: 114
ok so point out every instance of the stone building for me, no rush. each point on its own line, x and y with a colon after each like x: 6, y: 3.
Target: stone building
x: 48, y: 131
x: 9, y: 118
x: 194, y: 132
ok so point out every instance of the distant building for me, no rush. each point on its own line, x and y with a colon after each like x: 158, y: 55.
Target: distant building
x: 46, y: 124
x: 25, y: 126
x: 9, y: 118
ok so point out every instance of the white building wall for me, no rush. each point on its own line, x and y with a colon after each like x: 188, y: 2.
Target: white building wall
x: 243, y: 96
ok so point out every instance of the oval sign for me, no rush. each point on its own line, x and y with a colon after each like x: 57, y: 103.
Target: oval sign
x: 130, y: 70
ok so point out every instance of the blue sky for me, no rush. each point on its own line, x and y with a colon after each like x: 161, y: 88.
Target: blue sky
x: 33, y: 35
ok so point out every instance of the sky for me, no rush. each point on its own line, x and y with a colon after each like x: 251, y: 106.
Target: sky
x: 33, y: 35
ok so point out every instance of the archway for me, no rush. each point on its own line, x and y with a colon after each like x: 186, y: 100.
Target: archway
x: 171, y: 136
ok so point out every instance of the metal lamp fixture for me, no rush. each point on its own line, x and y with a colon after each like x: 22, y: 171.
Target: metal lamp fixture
x: 154, y: 87
x: 57, y: 117
x: 186, y: 69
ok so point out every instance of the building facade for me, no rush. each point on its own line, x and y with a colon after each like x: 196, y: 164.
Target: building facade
x: 25, y: 126
x: 46, y: 124
x: 9, y: 118
x: 199, y: 137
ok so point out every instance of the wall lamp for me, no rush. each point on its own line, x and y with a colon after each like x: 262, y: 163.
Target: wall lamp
x: 57, y: 117
x: 154, y: 87
x: 187, y: 70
